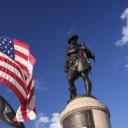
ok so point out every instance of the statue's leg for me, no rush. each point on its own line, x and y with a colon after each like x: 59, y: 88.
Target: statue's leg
x: 88, y: 84
x: 72, y: 88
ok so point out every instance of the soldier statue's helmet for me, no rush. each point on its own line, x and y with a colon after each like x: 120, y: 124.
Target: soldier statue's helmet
x: 73, y: 37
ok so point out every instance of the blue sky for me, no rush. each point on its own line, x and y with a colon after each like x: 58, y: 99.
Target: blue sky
x: 46, y: 25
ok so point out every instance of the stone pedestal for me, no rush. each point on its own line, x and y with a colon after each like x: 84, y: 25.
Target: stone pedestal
x: 85, y: 112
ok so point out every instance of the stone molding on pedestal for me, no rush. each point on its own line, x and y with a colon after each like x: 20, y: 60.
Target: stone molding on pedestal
x: 82, y: 104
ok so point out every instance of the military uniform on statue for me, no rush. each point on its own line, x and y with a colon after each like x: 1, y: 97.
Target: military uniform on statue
x: 83, y: 111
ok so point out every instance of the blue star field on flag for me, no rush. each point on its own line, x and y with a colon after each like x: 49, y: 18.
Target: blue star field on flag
x: 7, y: 47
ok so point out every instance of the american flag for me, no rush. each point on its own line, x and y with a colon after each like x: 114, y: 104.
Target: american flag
x: 16, y: 67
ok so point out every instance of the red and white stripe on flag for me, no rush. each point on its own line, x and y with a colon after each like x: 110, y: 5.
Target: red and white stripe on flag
x: 17, y: 75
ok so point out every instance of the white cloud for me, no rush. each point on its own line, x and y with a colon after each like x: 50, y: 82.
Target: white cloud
x: 40, y: 84
x: 41, y: 121
x: 46, y: 122
x: 126, y: 66
x: 124, y: 39
x: 44, y: 119
x: 125, y: 14
x: 55, y: 121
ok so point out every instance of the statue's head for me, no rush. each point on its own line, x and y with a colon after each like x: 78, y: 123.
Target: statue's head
x: 73, y: 39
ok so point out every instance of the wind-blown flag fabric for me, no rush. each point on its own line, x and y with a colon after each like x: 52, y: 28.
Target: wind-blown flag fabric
x: 16, y: 67
x: 7, y: 114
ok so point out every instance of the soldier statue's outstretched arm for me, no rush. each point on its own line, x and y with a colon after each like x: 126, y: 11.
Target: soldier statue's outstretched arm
x: 88, y: 52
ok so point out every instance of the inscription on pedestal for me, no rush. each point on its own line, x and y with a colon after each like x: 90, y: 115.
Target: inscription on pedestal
x: 81, y: 119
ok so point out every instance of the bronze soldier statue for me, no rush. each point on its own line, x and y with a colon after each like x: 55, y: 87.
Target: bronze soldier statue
x: 77, y: 65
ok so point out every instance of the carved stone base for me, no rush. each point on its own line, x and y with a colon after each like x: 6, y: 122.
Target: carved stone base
x: 85, y: 112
